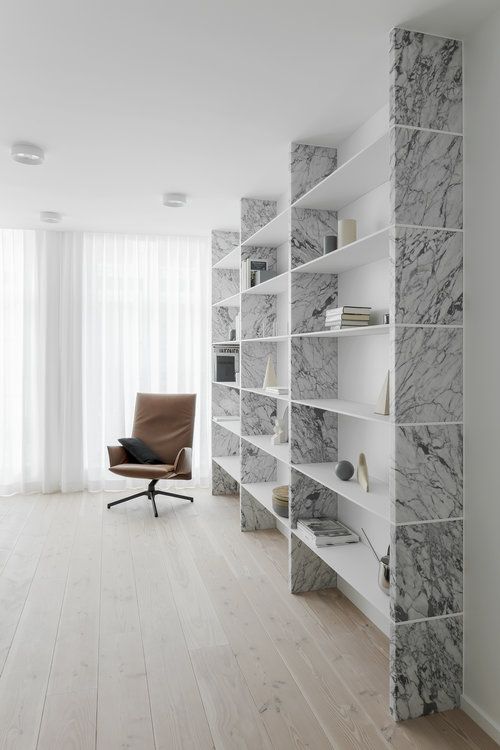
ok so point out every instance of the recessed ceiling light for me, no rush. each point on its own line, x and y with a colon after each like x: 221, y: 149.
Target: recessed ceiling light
x: 50, y: 217
x: 27, y: 153
x: 175, y: 200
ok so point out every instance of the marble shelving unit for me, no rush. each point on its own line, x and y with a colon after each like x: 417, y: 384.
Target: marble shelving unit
x: 400, y: 176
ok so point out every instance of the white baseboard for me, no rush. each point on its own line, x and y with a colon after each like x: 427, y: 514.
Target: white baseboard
x: 483, y: 720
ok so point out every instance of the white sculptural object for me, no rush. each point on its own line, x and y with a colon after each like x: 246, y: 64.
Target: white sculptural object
x: 270, y: 379
x: 383, y: 405
x: 363, y: 472
x: 278, y: 435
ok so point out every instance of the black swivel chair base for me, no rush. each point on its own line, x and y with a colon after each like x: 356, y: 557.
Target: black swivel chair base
x: 151, y: 492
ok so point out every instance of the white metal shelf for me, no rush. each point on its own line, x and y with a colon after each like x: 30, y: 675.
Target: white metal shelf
x: 233, y: 425
x: 356, y: 564
x: 349, y: 408
x: 369, y: 249
x: 230, y: 464
x: 365, y: 171
x: 233, y: 301
x: 279, y: 337
x: 375, y: 501
x: 227, y: 385
x: 375, y: 330
x: 264, y: 442
x: 231, y: 260
x: 226, y: 343
x: 263, y: 493
x: 272, y: 234
x: 263, y: 392
x: 277, y: 285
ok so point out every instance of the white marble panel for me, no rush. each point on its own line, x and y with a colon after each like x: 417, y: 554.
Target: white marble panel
x: 426, y: 178
x: 257, y: 414
x: 313, y: 435
x: 428, y: 375
x: 426, y: 81
x: 307, y: 571
x: 314, y: 368
x: 255, y: 252
x: 308, y: 499
x: 312, y: 294
x: 427, y: 276
x: 426, y: 477
x: 222, y: 322
x: 256, y: 465
x: 225, y: 283
x: 224, y: 442
x: 258, y: 315
x: 225, y: 401
x: 222, y: 243
x: 308, y: 166
x: 308, y: 227
x: 254, y: 362
x: 255, y: 214
x: 253, y: 515
x: 222, y: 483
x: 426, y: 667
x: 426, y: 570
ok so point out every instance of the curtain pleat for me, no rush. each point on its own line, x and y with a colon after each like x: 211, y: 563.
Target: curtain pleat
x: 86, y: 321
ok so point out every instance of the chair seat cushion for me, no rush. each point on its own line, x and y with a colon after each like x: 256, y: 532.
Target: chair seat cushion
x: 143, y: 471
x: 139, y: 450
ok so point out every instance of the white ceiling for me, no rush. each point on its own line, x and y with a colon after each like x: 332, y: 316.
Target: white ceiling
x: 132, y: 98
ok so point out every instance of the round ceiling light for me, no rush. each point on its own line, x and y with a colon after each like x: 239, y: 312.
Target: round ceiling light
x: 50, y: 217
x: 27, y: 153
x: 175, y: 200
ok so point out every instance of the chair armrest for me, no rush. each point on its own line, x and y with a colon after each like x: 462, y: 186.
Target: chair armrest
x: 117, y: 455
x: 182, y: 464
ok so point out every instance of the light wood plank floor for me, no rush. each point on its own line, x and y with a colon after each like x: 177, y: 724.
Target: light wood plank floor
x: 119, y: 630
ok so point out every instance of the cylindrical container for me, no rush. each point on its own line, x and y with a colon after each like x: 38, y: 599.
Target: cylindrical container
x: 384, y: 574
x: 347, y: 232
x: 329, y: 243
x: 280, y: 501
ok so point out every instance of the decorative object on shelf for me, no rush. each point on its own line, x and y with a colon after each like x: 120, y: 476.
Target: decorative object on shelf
x: 251, y: 268
x: 280, y: 429
x: 344, y: 470
x: 386, y: 319
x: 382, y: 406
x: 237, y: 319
x: 232, y: 334
x: 384, y: 569
x: 362, y: 473
x: 329, y: 243
x: 280, y: 501
x: 270, y: 379
x: 277, y: 390
x: 347, y: 232
x: 347, y: 316
x: 326, y: 532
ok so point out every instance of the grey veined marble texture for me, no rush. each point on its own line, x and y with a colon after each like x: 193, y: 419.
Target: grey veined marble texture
x: 428, y: 276
x: 307, y: 571
x: 426, y: 570
x: 255, y: 214
x: 307, y: 228
x: 225, y: 401
x: 428, y: 375
x: 256, y: 465
x: 253, y: 515
x: 426, y: 178
x: 225, y: 283
x: 313, y: 435
x: 223, y: 243
x: 426, y: 667
x: 255, y: 252
x: 257, y: 414
x: 258, y: 315
x: 224, y: 442
x: 311, y: 296
x: 254, y: 356
x: 426, y: 475
x: 308, y: 499
x: 426, y: 81
x: 222, y: 483
x: 222, y: 322
x: 308, y: 166
x: 314, y: 368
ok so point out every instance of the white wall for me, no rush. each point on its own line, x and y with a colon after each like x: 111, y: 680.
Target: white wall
x: 482, y: 375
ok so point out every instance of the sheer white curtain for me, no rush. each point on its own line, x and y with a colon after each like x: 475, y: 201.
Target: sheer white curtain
x: 86, y: 321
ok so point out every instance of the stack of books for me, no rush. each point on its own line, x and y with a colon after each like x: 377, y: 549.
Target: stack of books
x: 348, y: 316
x: 324, y: 532
x: 277, y: 390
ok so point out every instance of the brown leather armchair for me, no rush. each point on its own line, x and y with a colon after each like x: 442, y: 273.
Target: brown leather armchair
x: 165, y: 423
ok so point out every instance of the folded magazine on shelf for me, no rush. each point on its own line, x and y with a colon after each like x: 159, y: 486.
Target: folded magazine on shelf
x: 326, y: 531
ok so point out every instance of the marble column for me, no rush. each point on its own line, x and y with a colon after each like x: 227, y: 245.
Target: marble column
x: 426, y: 374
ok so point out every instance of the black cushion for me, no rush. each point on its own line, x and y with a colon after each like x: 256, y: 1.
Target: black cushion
x: 140, y: 451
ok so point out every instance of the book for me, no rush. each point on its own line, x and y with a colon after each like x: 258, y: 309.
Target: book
x: 226, y: 418
x: 345, y: 316
x: 346, y: 324
x: 250, y: 271
x: 325, y: 532
x: 277, y: 390
x: 350, y: 309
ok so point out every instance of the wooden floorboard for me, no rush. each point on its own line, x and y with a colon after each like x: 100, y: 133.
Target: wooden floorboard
x: 119, y: 630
